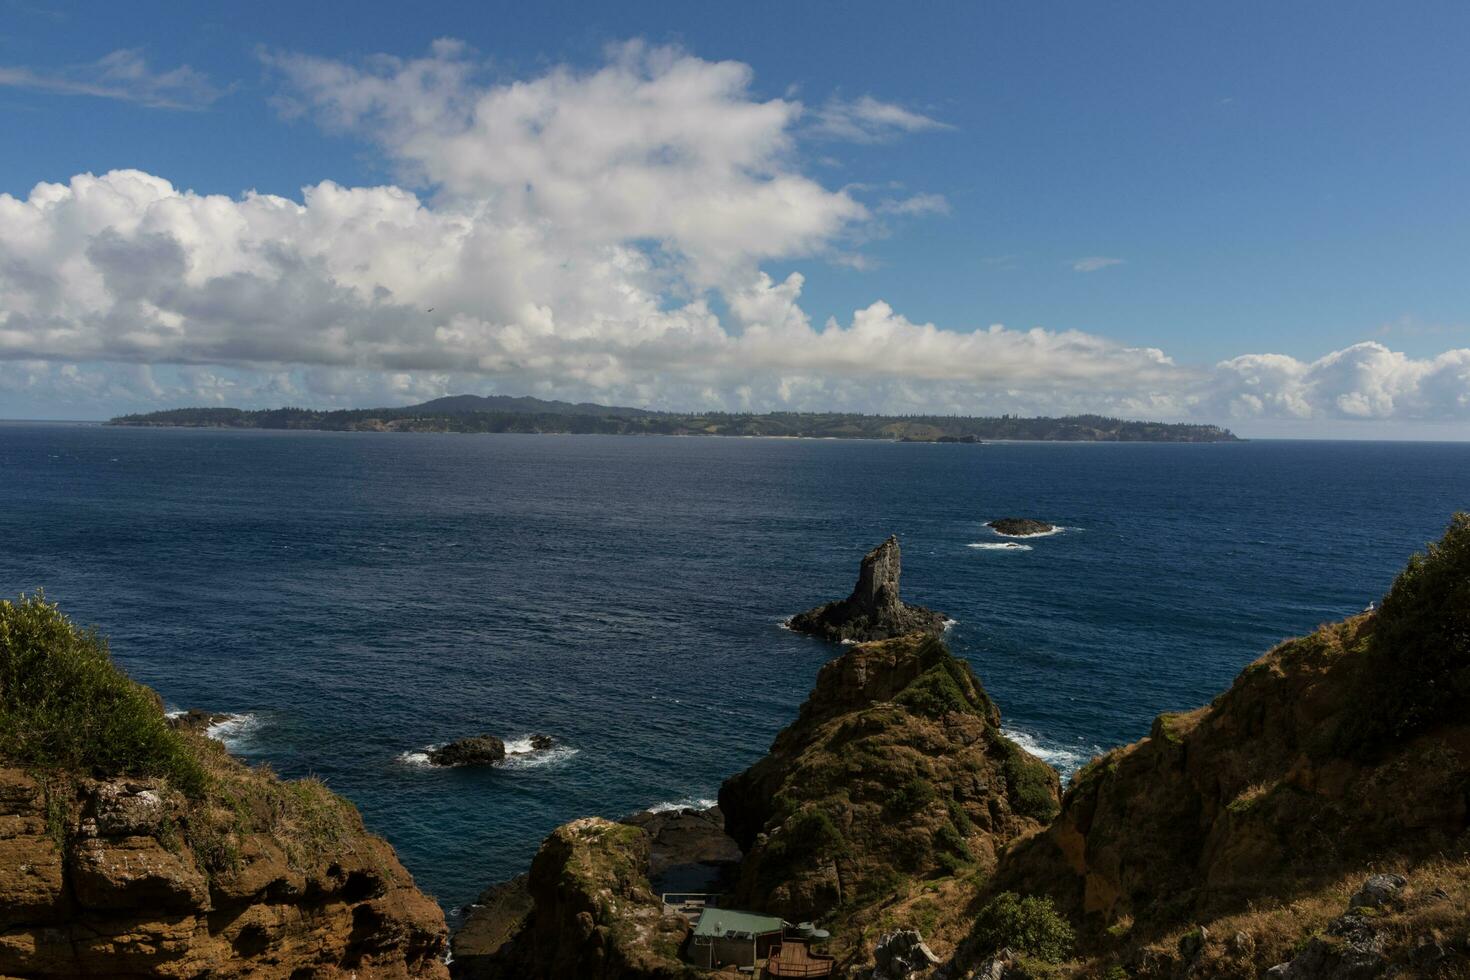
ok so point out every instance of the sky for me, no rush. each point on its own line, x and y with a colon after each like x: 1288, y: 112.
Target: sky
x: 1253, y: 214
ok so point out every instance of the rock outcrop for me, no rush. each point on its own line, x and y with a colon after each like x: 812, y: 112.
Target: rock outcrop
x: 894, y: 775
x: 198, y: 720
x: 95, y: 880
x: 1020, y: 527
x: 874, y: 611
x: 478, y: 750
x: 688, y: 850
x: 131, y: 847
x: 591, y: 915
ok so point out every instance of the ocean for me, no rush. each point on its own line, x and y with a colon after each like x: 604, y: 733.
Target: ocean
x: 358, y: 598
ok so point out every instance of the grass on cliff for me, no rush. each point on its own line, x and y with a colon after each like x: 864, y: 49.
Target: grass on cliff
x: 68, y: 711
x: 64, y: 705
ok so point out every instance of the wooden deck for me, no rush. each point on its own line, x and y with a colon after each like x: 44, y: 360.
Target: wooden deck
x: 794, y: 959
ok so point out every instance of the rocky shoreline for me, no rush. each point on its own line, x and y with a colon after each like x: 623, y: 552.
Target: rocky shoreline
x: 1312, y: 822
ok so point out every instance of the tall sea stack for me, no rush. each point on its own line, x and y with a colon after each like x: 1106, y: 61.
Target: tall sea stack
x: 874, y: 611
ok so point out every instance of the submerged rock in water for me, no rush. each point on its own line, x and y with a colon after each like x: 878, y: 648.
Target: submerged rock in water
x: 479, y: 750
x: 198, y: 720
x: 539, y: 742
x: 874, y: 611
x: 1020, y: 527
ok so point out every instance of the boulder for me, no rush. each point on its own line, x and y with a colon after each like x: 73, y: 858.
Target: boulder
x: 539, y: 742
x: 874, y: 610
x: 198, y: 720
x: 901, y: 953
x: 478, y: 750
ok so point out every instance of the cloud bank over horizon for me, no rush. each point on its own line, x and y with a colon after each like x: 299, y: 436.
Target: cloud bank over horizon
x: 600, y: 234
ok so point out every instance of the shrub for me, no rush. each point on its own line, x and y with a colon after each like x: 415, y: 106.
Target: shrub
x: 1421, y: 640
x: 910, y: 796
x: 64, y: 705
x: 934, y: 694
x: 1028, y: 782
x: 1029, y: 925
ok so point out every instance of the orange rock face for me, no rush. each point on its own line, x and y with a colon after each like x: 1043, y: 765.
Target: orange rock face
x: 97, y: 884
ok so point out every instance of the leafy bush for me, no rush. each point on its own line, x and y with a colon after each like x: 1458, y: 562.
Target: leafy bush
x: 1029, y: 925
x: 64, y: 705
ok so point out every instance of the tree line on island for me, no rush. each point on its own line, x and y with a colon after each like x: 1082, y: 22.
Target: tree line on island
x: 502, y: 413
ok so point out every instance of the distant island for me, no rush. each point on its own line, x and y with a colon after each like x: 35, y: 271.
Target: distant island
x: 503, y: 413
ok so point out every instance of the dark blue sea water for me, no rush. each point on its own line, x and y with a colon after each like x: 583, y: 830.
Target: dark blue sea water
x: 362, y: 596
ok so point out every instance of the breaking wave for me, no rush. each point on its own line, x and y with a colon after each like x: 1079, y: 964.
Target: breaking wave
x: 688, y: 803
x: 998, y: 546
x: 1065, y: 759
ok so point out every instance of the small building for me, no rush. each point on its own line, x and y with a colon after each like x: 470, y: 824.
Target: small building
x: 725, y: 937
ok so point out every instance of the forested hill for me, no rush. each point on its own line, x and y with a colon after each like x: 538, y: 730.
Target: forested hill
x: 472, y: 413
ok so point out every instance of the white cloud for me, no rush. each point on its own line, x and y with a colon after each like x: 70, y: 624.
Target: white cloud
x: 123, y: 75
x: 599, y: 235
x: 916, y: 205
x: 869, y: 120
x: 1093, y: 263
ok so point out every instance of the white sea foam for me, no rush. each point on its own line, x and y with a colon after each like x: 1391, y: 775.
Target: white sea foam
x: 1065, y: 759
x: 688, y: 803
x: 554, y: 756
x: 998, y: 546
x: 519, y: 754
x: 237, y: 731
x: 951, y: 623
x: 416, y: 757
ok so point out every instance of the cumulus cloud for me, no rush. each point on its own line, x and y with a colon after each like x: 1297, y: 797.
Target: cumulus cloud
x: 1094, y: 263
x: 599, y: 234
x: 123, y: 75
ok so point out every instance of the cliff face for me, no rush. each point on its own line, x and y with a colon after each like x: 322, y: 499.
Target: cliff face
x: 131, y: 848
x: 894, y: 773
x: 874, y: 610
x: 1333, y: 756
x: 95, y: 880
x: 587, y: 913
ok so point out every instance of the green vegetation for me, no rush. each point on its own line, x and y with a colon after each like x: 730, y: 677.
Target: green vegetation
x: 1029, y: 782
x: 467, y: 413
x: 1029, y: 925
x: 938, y: 690
x: 65, y: 706
x: 1421, y: 643
x: 910, y: 796
x: 67, y: 711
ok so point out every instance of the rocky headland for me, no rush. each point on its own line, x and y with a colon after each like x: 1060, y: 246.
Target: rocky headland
x: 874, y: 610
x: 1020, y: 527
x: 1312, y: 822
x: 130, y: 847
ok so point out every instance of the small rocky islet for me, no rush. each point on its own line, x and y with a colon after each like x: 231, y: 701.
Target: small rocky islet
x: 480, y: 750
x: 1309, y: 823
x: 1020, y: 527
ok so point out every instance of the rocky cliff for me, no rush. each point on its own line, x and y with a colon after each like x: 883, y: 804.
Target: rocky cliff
x: 131, y: 848
x: 893, y: 780
x: 1237, y: 837
x: 874, y: 610
x: 585, y: 912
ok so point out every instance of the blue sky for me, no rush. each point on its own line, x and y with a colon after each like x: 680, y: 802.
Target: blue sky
x: 1248, y: 179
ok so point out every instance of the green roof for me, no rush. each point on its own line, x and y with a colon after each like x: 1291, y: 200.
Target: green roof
x: 723, y: 922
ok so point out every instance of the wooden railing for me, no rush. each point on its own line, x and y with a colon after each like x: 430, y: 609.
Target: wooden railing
x: 795, y: 960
